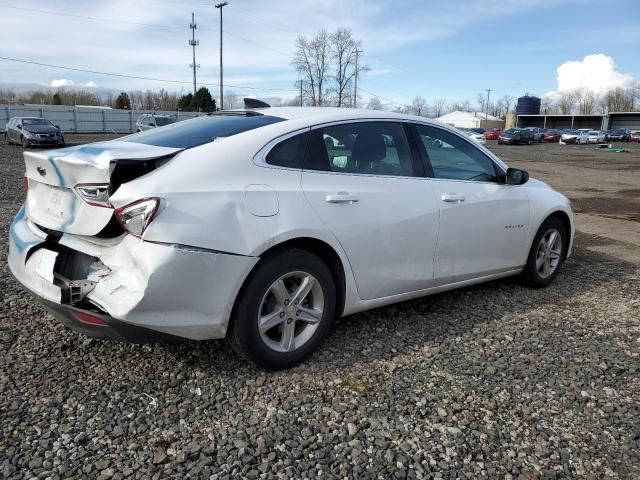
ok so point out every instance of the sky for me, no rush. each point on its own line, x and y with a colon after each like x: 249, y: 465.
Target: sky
x: 432, y: 48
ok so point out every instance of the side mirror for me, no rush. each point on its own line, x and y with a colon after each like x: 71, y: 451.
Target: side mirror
x: 19, y: 127
x: 516, y: 176
x: 57, y: 126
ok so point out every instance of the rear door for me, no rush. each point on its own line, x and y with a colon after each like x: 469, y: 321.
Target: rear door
x: 483, y: 223
x: 365, y: 183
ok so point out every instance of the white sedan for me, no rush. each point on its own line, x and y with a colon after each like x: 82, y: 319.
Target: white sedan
x: 264, y: 225
x: 596, y: 136
x: 475, y: 136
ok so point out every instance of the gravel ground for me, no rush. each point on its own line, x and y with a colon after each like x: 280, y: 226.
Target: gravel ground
x: 495, y: 381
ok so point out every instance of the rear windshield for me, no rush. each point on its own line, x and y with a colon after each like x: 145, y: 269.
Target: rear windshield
x: 201, y: 130
x: 161, y: 121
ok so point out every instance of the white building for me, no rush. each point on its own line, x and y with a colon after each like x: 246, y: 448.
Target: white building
x: 469, y: 120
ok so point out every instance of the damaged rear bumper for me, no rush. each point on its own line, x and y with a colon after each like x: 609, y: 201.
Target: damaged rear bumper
x: 141, y: 291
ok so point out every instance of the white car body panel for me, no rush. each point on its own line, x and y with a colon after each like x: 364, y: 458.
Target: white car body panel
x: 222, y: 208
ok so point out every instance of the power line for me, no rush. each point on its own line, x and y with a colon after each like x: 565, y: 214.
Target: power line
x: 140, y: 24
x: 136, y: 77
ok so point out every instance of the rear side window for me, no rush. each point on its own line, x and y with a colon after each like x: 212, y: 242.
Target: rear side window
x: 201, y: 130
x: 288, y: 153
x: 371, y: 148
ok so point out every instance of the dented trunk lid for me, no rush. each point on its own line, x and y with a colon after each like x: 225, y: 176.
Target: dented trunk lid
x: 52, y: 175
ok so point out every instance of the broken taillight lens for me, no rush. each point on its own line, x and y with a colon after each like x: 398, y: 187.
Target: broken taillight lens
x: 136, y: 217
x: 96, y: 194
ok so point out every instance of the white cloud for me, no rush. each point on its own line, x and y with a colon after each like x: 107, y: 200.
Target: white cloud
x: 63, y: 82
x: 597, y: 73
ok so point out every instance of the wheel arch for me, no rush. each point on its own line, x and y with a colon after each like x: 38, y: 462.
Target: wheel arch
x: 566, y: 223
x: 322, y: 250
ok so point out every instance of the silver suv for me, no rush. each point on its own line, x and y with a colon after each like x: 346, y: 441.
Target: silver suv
x: 148, y: 121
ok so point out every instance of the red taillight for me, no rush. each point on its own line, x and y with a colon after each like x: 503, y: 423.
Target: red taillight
x: 25, y: 181
x: 88, y: 318
x: 136, y: 217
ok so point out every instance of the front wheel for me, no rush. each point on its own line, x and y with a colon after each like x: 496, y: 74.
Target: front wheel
x: 528, y: 141
x: 25, y: 142
x: 546, y: 255
x: 284, y: 311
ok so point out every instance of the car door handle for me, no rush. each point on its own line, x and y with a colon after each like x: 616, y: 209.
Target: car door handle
x: 342, y: 197
x: 453, y: 198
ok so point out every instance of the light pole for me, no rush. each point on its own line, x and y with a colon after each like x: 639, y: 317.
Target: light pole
x: 355, y: 86
x: 194, y: 43
x: 219, y: 6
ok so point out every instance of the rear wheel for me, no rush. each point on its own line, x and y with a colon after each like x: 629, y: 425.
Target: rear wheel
x: 285, y: 310
x: 547, y: 254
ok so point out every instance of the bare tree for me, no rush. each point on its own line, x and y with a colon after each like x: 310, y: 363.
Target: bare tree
x: 507, y: 101
x: 481, y: 98
x: 343, y: 55
x: 586, y: 102
x: 437, y: 107
x: 619, y: 100
x: 231, y: 100
x: 566, y: 101
x: 374, y: 104
x: 311, y: 60
x: 419, y: 106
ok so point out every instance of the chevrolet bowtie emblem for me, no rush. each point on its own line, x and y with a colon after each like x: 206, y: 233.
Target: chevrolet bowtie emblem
x: 41, y: 171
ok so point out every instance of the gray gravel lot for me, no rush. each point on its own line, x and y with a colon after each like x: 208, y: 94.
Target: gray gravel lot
x: 495, y: 381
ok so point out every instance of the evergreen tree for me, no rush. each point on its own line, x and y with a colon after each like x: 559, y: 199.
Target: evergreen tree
x: 123, y: 101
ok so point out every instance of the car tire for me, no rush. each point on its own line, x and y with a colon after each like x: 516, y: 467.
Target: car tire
x: 541, y: 139
x: 528, y: 141
x: 24, y: 142
x: 270, y: 341
x: 544, y: 260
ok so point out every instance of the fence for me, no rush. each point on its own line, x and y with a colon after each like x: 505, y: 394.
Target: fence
x: 85, y: 119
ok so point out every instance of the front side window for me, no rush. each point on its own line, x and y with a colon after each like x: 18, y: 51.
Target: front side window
x: 454, y: 158
x: 370, y: 148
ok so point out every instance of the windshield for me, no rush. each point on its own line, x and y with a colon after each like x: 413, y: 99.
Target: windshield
x: 161, y: 121
x: 570, y: 131
x: 201, y: 130
x: 35, y: 121
x: 512, y: 131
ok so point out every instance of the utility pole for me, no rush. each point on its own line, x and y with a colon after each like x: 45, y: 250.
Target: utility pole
x: 301, y: 102
x: 219, y: 6
x: 486, y: 115
x: 193, y: 42
x: 355, y: 86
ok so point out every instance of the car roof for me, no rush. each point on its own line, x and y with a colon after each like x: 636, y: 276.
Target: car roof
x: 329, y: 114
x: 28, y: 118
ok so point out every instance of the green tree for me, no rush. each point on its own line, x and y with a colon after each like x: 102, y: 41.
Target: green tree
x: 123, y: 101
x: 57, y: 99
x: 202, y: 101
x: 184, y: 103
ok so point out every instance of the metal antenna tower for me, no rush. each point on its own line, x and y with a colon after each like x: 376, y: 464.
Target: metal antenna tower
x: 194, y: 43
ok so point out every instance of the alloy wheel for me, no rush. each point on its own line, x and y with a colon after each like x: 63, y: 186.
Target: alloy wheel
x: 549, y: 253
x: 290, y: 311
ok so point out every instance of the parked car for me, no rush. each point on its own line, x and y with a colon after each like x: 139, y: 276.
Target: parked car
x: 492, y: 134
x: 573, y: 136
x: 619, y: 135
x: 248, y: 225
x: 634, y: 137
x: 477, y: 137
x: 538, y: 133
x: 477, y: 130
x: 147, y: 121
x: 516, y: 135
x: 596, y: 136
x: 33, y: 131
x: 552, y: 135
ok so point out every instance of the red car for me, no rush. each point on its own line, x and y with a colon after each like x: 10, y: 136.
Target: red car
x: 492, y: 134
x: 552, y: 135
x: 635, y: 137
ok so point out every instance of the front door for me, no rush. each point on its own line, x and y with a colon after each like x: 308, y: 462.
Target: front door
x: 483, y: 222
x: 365, y: 183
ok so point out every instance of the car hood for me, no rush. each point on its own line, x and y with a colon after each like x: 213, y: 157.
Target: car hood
x: 41, y: 129
x: 535, y: 183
